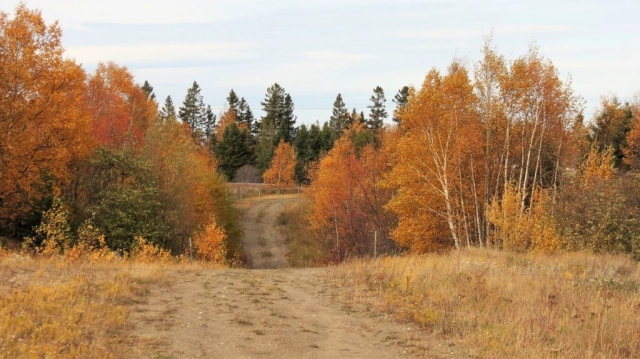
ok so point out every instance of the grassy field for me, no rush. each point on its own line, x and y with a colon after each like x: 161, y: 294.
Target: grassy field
x: 58, y: 307
x: 304, y: 248
x: 492, y: 304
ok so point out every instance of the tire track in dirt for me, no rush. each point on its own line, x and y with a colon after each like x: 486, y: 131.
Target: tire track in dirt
x: 267, y: 313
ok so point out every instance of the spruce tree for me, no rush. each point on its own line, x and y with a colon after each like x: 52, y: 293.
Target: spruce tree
x: 168, y: 111
x: 401, y: 99
x: 233, y: 102
x: 148, y: 90
x: 339, y: 119
x: 278, y: 107
x: 193, y: 112
x: 378, y: 111
x: 286, y: 127
x: 245, y: 115
x: 232, y: 151
x: 265, y: 146
x: 210, y: 123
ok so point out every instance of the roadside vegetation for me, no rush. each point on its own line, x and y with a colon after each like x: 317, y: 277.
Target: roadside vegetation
x: 78, y: 304
x: 304, y: 249
x: 496, y: 304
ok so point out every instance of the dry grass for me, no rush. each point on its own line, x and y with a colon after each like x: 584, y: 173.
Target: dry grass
x: 304, y: 248
x: 504, y: 305
x: 57, y: 307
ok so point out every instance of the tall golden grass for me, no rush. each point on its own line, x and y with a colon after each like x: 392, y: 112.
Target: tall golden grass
x: 77, y: 304
x: 493, y: 304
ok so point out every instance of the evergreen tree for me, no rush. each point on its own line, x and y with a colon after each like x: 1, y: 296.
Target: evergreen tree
x: 401, y: 99
x: 378, y: 111
x: 233, y: 102
x: 286, y: 127
x: 193, y: 112
x: 278, y: 107
x: 148, y: 90
x: 210, y: 123
x: 265, y: 146
x: 315, y: 141
x: 168, y: 111
x: 232, y: 151
x: 328, y: 138
x: 246, y: 116
x: 339, y: 117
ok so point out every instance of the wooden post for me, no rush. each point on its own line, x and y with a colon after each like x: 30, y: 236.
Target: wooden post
x: 190, y: 249
x: 375, y: 244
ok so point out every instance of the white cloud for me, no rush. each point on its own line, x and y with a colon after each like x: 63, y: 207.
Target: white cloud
x: 476, y: 32
x: 160, y: 53
x: 330, y: 55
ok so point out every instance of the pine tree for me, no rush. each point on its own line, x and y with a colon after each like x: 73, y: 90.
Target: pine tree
x: 315, y: 141
x: 265, y: 145
x: 168, y: 111
x: 232, y: 151
x: 278, y: 107
x: 286, y: 127
x: 148, y: 90
x: 378, y: 111
x: 193, y: 112
x: 210, y: 123
x: 233, y: 102
x: 339, y: 117
x: 245, y: 115
x: 401, y: 99
x: 328, y: 138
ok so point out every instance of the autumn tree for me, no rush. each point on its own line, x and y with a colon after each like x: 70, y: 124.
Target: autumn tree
x: 378, y: 111
x: 191, y: 188
x: 120, y: 109
x: 43, y: 123
x: 347, y: 201
x: 281, y: 173
x: 632, y: 152
x: 438, y: 169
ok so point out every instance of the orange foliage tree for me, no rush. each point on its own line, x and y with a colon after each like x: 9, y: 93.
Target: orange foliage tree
x: 282, y: 171
x: 43, y: 126
x: 210, y: 243
x: 632, y: 152
x: 438, y: 170
x: 347, y: 200
x: 120, y: 109
x: 192, y: 189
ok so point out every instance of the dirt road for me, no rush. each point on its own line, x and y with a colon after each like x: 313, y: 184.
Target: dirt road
x: 266, y: 313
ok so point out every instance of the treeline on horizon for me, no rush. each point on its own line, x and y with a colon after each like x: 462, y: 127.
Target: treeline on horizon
x: 498, y: 157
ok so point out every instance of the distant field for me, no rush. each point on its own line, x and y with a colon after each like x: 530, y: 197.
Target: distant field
x: 250, y: 190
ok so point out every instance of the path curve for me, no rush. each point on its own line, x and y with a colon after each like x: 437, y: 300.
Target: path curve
x: 287, y: 313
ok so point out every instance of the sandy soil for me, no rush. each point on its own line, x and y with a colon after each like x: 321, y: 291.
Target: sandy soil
x: 267, y: 313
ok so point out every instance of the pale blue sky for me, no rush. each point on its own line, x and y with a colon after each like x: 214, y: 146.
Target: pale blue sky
x: 316, y: 49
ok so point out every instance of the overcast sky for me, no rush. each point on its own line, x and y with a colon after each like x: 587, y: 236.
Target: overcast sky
x: 316, y: 49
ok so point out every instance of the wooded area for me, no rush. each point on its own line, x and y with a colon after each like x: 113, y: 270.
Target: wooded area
x: 497, y: 155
